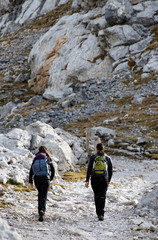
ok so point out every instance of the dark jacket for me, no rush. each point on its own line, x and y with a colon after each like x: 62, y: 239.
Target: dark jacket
x: 91, y: 163
x: 50, y: 166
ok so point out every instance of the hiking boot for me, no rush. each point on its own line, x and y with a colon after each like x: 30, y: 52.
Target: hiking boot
x: 41, y: 214
x: 101, y: 218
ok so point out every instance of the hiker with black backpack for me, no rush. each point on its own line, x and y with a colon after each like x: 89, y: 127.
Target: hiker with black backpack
x: 42, y: 172
x: 100, y: 170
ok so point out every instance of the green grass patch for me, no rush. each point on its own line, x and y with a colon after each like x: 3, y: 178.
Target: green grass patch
x: 23, y: 189
x: 73, y: 176
x: 4, y: 204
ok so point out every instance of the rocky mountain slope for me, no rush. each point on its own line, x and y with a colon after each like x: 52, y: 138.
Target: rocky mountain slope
x: 98, y: 70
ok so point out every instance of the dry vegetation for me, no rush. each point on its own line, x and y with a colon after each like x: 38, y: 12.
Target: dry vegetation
x: 49, y: 19
x: 74, y: 176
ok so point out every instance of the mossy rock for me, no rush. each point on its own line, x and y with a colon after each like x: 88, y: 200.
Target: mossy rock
x: 13, y: 182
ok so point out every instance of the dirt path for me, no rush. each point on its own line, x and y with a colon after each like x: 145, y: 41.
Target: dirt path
x: 71, y: 214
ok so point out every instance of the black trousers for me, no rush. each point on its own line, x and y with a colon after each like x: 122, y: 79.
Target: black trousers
x: 42, y: 184
x: 99, y: 186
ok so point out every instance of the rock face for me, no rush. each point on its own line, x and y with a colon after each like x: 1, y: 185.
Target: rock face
x: 25, y: 11
x: 18, y: 146
x: 106, y: 44
x: 67, y: 57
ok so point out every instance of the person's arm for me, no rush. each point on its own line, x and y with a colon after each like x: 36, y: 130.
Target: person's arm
x: 31, y: 176
x: 89, y: 171
x: 52, y: 169
x: 110, y: 169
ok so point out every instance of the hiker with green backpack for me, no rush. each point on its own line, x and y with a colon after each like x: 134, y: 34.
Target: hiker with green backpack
x: 100, y: 170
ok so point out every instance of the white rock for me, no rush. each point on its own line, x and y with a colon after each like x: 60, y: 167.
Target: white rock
x: 152, y: 65
x: 4, y: 4
x: 150, y: 200
x: 54, y: 143
x: 111, y: 142
x: 3, y: 179
x: 20, y: 137
x: 102, y: 132
x: 8, y: 233
x: 138, y: 99
x: 118, y: 52
x: 146, y: 16
x: 76, y: 144
x: 121, y: 35
x: 4, y: 110
x: 121, y: 68
x: 41, y: 129
x: 61, y: 150
x: 18, y: 175
x: 140, y: 46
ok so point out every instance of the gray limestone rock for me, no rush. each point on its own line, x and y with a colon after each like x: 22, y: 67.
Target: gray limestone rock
x: 118, y: 11
x: 150, y: 200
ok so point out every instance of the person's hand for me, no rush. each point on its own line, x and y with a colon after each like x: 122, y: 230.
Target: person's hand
x: 31, y: 185
x: 86, y: 184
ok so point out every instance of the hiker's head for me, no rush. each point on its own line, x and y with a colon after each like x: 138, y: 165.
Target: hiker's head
x: 99, y: 147
x: 43, y: 149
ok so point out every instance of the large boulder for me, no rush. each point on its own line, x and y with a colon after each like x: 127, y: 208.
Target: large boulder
x: 119, y: 35
x: 57, y: 147
x: 102, y: 132
x: 77, y: 145
x: 149, y: 200
x: 68, y: 53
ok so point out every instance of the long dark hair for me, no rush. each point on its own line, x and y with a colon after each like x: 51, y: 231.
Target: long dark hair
x: 43, y: 149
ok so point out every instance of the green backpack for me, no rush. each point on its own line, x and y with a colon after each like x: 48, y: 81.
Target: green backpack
x: 99, y: 166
